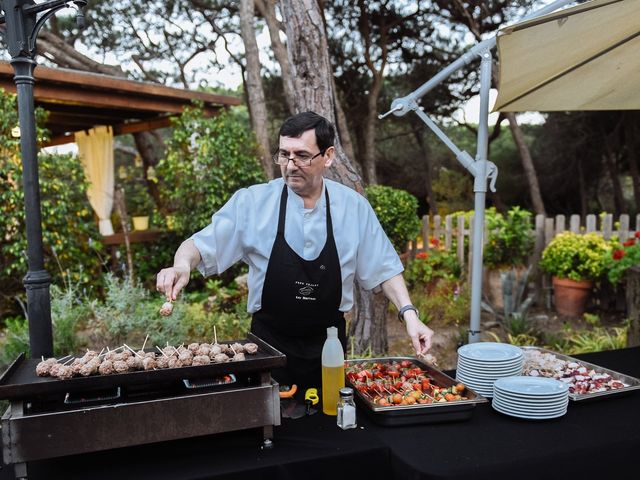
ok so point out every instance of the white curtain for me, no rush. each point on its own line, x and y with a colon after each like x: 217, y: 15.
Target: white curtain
x: 95, y: 148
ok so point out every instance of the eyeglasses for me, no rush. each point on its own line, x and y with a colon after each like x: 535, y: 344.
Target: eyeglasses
x: 282, y: 158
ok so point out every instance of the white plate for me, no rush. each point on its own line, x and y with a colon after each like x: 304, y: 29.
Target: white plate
x: 529, y: 401
x: 470, y: 381
x: 489, y: 373
x: 497, y: 363
x: 520, y: 397
x: 489, y: 366
x: 525, y: 407
x: 490, y: 352
x: 532, y: 386
x: 529, y: 416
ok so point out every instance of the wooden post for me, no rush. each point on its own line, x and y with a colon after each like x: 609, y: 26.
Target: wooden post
x: 623, y: 230
x: 460, y: 242
x: 607, y: 226
x: 448, y: 230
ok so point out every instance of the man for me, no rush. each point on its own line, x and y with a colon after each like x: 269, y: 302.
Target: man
x: 305, y: 239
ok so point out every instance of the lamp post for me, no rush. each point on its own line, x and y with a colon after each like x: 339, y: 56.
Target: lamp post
x: 23, y: 20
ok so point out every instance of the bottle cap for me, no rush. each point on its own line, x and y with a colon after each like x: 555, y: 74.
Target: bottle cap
x: 346, y: 392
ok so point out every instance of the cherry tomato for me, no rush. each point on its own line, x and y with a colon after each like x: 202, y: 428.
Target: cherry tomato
x: 405, y: 364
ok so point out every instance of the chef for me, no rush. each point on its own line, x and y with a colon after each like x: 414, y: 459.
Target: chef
x: 306, y: 239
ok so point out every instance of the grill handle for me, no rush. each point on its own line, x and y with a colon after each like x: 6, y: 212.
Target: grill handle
x: 85, y: 398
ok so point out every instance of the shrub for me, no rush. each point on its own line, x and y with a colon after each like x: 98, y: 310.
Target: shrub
x: 68, y: 228
x: 575, y: 256
x: 509, y: 239
x: 447, y: 303
x: 397, y: 212
x: 15, y: 341
x: 207, y: 160
x: 622, y: 257
x: 430, y: 266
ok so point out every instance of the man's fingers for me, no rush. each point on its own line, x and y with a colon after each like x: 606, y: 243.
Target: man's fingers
x: 179, y: 285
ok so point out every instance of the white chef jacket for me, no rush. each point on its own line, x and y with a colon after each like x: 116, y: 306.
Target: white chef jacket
x: 246, y: 227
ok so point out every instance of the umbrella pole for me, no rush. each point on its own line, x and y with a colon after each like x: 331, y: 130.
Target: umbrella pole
x: 480, y: 191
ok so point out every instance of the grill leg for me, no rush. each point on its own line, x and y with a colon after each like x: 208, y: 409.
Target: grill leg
x: 20, y: 470
x: 267, y: 435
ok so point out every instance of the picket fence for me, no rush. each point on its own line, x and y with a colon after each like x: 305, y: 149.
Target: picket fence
x: 433, y: 227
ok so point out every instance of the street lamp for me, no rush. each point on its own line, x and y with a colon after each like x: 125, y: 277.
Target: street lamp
x: 23, y: 20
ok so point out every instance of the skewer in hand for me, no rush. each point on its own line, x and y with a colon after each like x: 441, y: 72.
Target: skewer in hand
x: 167, y: 308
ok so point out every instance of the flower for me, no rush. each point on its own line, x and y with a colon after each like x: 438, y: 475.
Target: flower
x: 422, y: 255
x: 618, y: 254
x: 623, y: 257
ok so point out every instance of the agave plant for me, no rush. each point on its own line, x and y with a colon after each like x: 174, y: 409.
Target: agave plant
x: 515, y: 304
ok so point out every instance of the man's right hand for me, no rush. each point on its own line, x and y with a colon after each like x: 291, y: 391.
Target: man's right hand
x: 171, y: 280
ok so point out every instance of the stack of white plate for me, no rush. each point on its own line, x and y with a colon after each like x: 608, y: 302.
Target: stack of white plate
x: 535, y: 398
x: 481, y: 364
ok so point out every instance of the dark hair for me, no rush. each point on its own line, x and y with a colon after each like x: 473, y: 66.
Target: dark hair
x: 296, y: 125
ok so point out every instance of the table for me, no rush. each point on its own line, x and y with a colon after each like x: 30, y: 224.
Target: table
x: 598, y: 437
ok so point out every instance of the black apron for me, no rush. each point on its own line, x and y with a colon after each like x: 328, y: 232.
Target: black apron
x: 300, y: 299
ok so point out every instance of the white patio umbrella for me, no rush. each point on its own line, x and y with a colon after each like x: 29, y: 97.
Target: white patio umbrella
x: 583, y: 58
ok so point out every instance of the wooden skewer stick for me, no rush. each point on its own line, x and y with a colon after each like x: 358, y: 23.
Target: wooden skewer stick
x: 133, y: 351
x: 160, y: 350
x: 70, y: 360
x: 145, y: 341
x: 42, y: 357
x: 215, y: 335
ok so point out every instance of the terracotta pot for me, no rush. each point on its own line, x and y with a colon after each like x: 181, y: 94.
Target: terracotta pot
x: 570, y: 297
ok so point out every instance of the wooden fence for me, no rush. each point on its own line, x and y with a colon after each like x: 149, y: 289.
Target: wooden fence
x: 447, y: 229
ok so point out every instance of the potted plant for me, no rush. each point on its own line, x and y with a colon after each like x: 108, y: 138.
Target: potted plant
x: 508, y: 247
x: 623, y: 263
x: 575, y: 261
x: 397, y: 212
x: 140, y: 205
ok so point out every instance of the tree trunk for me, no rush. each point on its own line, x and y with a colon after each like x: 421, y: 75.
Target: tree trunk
x: 527, y: 164
x: 632, y: 156
x: 255, y: 92
x: 584, y: 203
x: 343, y: 127
x: 431, y: 198
x: 267, y: 9
x: 369, y: 154
x: 311, y: 70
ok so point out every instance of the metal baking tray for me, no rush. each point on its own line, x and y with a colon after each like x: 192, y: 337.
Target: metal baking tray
x: 398, y: 415
x: 20, y: 381
x: 632, y: 382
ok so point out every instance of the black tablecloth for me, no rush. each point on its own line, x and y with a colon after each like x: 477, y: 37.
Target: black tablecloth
x: 596, y: 437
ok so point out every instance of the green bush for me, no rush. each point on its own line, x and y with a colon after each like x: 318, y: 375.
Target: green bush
x: 15, y: 341
x: 397, y: 212
x: 509, y: 238
x: 70, y: 236
x: 447, y: 303
x: 207, y: 160
x: 575, y: 256
x: 430, y: 266
x: 622, y: 257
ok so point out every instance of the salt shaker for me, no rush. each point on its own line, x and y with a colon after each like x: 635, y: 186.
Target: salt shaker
x: 346, y: 409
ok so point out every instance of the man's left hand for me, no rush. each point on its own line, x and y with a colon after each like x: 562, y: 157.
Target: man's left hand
x: 420, y: 334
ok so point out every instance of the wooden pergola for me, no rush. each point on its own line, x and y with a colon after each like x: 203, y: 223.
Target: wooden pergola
x: 79, y: 101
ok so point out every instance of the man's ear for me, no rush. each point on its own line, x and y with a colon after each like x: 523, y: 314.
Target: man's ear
x: 328, y: 156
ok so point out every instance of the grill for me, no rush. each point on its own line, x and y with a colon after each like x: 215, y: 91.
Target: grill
x: 50, y: 417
